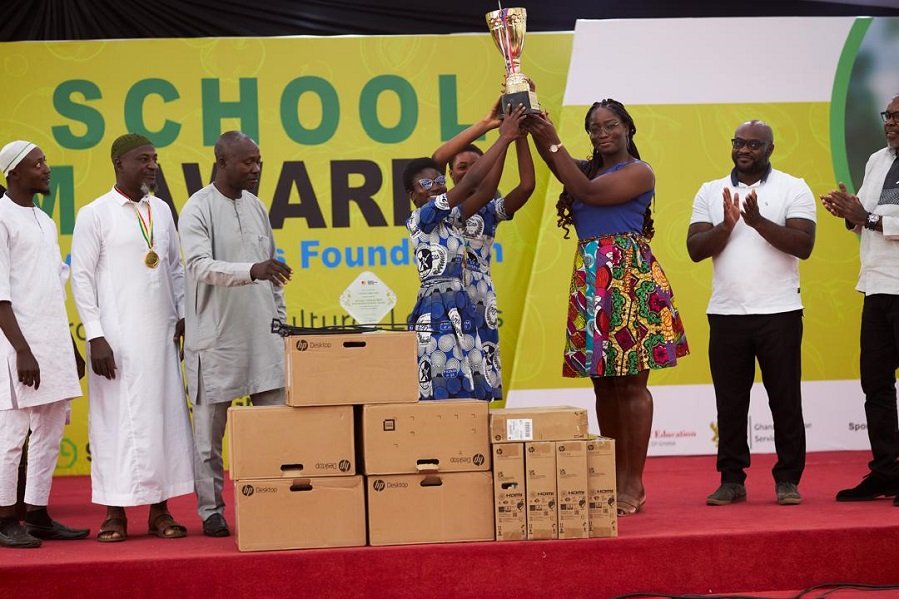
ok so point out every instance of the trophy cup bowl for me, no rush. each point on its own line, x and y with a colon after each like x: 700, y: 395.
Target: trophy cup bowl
x: 507, y: 27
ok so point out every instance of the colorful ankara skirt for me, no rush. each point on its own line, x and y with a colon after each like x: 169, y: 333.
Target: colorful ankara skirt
x: 621, y: 314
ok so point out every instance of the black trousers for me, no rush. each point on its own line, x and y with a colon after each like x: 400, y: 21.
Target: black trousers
x: 735, y: 343
x: 879, y: 360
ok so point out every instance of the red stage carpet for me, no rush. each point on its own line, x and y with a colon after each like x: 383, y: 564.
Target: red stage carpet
x: 677, y: 545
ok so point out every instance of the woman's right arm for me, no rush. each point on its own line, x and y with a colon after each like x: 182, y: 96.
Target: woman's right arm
x: 618, y: 187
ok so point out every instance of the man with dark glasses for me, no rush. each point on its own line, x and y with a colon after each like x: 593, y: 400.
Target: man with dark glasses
x: 874, y: 214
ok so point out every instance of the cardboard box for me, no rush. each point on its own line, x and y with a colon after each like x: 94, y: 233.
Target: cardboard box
x: 430, y: 508
x: 601, y: 487
x: 285, y: 442
x: 361, y: 368
x: 556, y: 423
x: 540, y: 466
x: 435, y: 436
x: 571, y: 485
x: 509, y: 498
x: 300, y: 513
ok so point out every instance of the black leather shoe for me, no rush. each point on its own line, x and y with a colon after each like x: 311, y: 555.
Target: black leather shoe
x: 13, y: 534
x: 872, y: 486
x: 215, y: 526
x: 56, y: 531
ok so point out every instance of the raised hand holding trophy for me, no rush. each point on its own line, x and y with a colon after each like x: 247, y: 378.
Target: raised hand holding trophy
x: 507, y: 27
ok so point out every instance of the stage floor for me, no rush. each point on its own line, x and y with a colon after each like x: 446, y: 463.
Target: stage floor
x: 677, y: 545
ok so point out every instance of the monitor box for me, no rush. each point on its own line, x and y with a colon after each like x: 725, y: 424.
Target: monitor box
x: 510, y: 501
x: 571, y: 484
x: 601, y: 487
x: 540, y: 481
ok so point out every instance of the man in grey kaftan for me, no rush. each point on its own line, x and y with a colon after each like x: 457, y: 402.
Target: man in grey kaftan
x: 233, y: 292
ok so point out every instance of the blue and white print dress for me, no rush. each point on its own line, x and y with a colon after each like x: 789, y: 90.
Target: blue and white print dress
x: 450, y: 356
x: 479, y: 232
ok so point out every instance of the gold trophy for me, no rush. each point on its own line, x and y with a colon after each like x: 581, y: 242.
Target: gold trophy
x: 507, y: 26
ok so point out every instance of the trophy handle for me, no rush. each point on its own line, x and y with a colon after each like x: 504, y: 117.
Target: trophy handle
x: 507, y: 28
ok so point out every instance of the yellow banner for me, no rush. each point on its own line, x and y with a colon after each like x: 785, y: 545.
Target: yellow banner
x: 335, y: 118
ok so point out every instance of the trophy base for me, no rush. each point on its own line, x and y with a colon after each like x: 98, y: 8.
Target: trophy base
x: 528, y: 98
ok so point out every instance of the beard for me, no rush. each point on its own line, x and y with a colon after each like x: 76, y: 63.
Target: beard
x: 148, y: 188
x: 755, y: 167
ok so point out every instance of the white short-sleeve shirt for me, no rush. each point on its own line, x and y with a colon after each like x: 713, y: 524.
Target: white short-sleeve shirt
x: 750, y: 276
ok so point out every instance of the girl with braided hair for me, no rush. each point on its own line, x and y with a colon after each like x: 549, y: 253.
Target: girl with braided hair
x: 622, y: 321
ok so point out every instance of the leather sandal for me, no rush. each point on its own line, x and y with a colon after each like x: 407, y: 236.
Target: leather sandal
x: 162, y: 525
x: 629, y: 505
x: 113, y: 530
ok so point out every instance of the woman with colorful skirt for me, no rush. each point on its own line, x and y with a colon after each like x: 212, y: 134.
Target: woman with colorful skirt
x: 450, y: 354
x: 622, y: 321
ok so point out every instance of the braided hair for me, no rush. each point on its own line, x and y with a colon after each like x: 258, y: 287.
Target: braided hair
x: 594, y: 163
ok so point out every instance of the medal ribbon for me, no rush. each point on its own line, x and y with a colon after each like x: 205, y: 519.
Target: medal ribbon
x: 146, y: 228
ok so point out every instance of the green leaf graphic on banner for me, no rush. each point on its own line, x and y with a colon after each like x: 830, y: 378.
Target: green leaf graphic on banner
x: 838, y: 101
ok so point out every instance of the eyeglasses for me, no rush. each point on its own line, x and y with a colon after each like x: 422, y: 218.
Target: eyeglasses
x: 427, y: 184
x: 608, y: 128
x: 754, y: 144
x: 887, y: 115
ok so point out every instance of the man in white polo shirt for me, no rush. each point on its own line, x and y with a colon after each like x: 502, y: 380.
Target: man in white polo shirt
x: 755, y: 225
x: 874, y: 214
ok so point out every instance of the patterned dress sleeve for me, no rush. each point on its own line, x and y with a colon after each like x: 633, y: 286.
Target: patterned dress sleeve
x: 427, y: 217
x: 498, y: 206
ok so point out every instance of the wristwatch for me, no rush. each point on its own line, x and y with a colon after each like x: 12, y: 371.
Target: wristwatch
x: 555, y: 147
x: 872, y: 221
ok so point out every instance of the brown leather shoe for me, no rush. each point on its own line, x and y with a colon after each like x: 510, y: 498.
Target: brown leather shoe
x: 788, y: 494
x: 727, y: 494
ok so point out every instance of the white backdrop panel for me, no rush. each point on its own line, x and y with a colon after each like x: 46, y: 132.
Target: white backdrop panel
x: 684, y: 422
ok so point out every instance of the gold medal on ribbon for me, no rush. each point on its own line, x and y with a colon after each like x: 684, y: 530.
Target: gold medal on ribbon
x: 151, y: 259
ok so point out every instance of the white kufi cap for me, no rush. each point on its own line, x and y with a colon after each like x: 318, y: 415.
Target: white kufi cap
x: 13, y: 153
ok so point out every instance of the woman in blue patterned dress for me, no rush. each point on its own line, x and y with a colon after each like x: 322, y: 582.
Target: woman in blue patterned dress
x: 450, y: 355
x: 622, y: 321
x: 479, y: 230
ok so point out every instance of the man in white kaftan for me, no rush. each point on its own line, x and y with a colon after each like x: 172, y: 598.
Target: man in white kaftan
x: 39, y: 372
x: 233, y: 293
x: 128, y: 284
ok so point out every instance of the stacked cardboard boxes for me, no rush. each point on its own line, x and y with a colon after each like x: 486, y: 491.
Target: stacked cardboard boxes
x: 552, y: 480
x: 294, y: 478
x: 427, y: 471
x: 295, y: 466
x: 352, y: 408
